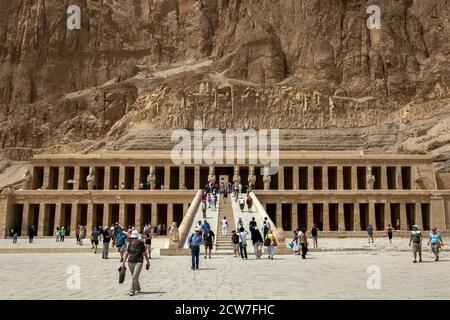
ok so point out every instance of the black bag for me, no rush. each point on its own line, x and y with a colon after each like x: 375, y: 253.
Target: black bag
x: 122, y: 273
x: 267, y: 242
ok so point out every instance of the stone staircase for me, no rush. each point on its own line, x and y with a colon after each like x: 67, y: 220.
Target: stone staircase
x: 223, y: 243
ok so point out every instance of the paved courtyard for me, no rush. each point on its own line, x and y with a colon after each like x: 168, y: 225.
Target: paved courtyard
x: 324, y: 275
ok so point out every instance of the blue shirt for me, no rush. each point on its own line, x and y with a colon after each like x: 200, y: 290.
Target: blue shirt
x: 121, y: 238
x: 369, y: 230
x: 205, y: 226
x: 195, y: 240
x: 434, y: 237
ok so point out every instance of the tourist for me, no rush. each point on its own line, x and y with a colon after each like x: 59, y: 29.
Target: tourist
x: 243, y: 242
x: 271, y: 243
x: 100, y: 233
x: 31, y: 234
x: 315, y: 235
x: 239, y: 225
x: 294, y: 244
x: 390, y: 231
x: 397, y: 224
x: 94, y: 239
x: 252, y: 225
x: 241, y: 203
x: 249, y: 203
x: 257, y: 242
x: 121, y: 243
x: 56, y: 234
x: 135, y: 254
x: 204, y: 209
x: 205, y: 226
x: 148, y: 239
x: 62, y: 234
x: 225, y: 195
x: 235, y: 241
x: 14, y: 234
x: 158, y: 229
x: 436, y: 242
x: 208, y: 239
x: 224, y: 226
x: 163, y: 229
x: 370, y: 232
x: 82, y: 234
x: 122, y: 186
x: 265, y: 227
x: 303, y: 242
x: 214, y: 201
x: 416, y: 240
x: 194, y: 241
x: 106, y: 240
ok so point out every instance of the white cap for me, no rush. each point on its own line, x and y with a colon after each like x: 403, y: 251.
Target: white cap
x: 135, y: 234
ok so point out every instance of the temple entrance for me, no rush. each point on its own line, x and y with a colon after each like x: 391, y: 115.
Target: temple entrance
x: 425, y: 207
x: 129, y: 178
x: 38, y: 177
x: 15, y: 220
x: 318, y: 215
x: 189, y: 177
x: 271, y: 209
x: 379, y: 216
x: 303, y: 178
x: 146, y: 211
x: 395, y: 214
x: 286, y: 216
x: 98, y: 215
x: 259, y: 172
x: 159, y: 172
x: 302, y: 215
x: 82, y: 214
x: 288, y: 178
x: 224, y: 175
x: 53, y: 178
x: 410, y: 215
x: 178, y: 213
x: 161, y: 214
x: 364, y: 215
x: 66, y: 216
x: 130, y: 214
x: 204, y: 172
x: 243, y: 171
x: 348, y: 216
x: 333, y: 216
x: 99, y: 178
x: 49, y: 219
x: 68, y: 177
x: 114, y: 183
x: 114, y: 212
x: 143, y: 174
x: 174, y: 178
x: 34, y: 216
x: 84, y: 172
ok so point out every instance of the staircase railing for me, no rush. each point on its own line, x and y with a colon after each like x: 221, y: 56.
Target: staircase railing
x: 188, y: 219
x: 277, y: 232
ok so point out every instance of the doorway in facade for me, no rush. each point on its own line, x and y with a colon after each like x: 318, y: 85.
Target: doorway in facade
x: 349, y: 216
x: 318, y: 215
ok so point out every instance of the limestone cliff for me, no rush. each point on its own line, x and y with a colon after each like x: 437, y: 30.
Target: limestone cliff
x: 138, y: 68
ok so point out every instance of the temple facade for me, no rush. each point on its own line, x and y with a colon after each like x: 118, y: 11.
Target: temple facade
x: 339, y: 191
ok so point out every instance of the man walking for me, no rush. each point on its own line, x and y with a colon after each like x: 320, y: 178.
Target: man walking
x: 195, y: 240
x: 314, y: 235
x: 106, y: 240
x: 224, y: 226
x: 370, y: 232
x: 208, y: 239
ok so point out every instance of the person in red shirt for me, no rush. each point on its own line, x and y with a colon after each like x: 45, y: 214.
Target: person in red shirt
x: 249, y: 203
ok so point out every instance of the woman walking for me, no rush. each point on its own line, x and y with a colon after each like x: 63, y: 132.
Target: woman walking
x: 135, y: 254
x: 436, y: 242
x: 148, y: 240
x: 271, y: 243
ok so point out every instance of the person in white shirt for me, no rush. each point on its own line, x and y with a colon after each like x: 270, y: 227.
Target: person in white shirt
x: 224, y: 226
x: 243, y: 242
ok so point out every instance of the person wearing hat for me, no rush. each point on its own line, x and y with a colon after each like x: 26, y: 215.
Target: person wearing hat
x: 416, y: 241
x: 135, y: 254
x: 195, y: 241
x: 436, y: 242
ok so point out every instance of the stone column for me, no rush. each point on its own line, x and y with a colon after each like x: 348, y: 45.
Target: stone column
x: 166, y: 177
x: 355, y: 178
x: 403, y: 219
x: 196, y: 177
x: 46, y: 177
x: 281, y: 178
x: 384, y: 185
x: 90, y: 219
x: 121, y: 176
x: 279, y: 216
x: 310, y: 178
x: 154, y: 217
x: 295, y: 177
x: 324, y: 177
x: 169, y: 214
x: 387, y: 214
x: 356, y: 216
x: 138, y: 216
x: 182, y: 180
x: 122, y: 214
x: 398, y: 179
x: 326, y: 217
x: 107, y: 214
x: 25, y: 219
x: 58, y: 213
x: 418, y: 215
x: 341, y: 217
x: 340, y: 178
x: 107, y: 180
x: 41, y: 222
x: 73, y: 219
x: 61, y: 182
x: 372, y: 218
x: 437, y: 213
x: 294, y: 216
x: 76, y: 177
x: 137, y: 177
x: 309, y: 214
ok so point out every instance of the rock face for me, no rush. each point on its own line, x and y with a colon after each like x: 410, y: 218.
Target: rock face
x: 141, y: 65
